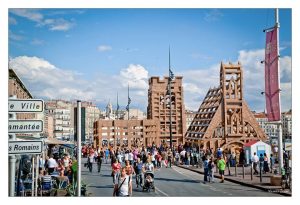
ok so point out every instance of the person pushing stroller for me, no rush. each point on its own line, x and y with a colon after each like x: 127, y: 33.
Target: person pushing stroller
x: 148, y: 175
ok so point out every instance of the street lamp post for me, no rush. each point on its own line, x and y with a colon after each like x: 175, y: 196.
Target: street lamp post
x: 170, y: 101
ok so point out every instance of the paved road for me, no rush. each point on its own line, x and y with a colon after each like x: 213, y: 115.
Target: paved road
x: 172, y: 182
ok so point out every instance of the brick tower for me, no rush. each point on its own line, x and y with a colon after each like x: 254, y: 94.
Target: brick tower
x: 158, y: 108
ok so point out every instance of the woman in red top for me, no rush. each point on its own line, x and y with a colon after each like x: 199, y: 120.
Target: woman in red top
x: 116, y: 166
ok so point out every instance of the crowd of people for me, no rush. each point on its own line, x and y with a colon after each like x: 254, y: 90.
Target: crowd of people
x: 126, y: 162
x: 61, y: 168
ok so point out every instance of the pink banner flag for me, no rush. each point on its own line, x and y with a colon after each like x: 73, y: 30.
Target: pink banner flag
x: 271, y: 76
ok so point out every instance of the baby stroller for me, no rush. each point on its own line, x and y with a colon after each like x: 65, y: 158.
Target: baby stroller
x: 148, y: 181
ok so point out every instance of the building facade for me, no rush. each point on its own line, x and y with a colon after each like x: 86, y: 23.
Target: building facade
x: 17, y: 89
x: 48, y: 126
x: 59, y: 114
x: 286, y: 118
x: 159, y: 108
x: 125, y: 133
x: 271, y: 129
x: 190, y: 115
x: 92, y: 114
x: 134, y: 114
x: 89, y: 114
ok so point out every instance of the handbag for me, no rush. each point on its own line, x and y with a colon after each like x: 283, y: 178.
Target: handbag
x: 118, y: 189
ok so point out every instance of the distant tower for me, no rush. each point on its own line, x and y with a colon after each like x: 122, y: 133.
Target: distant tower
x: 109, y: 110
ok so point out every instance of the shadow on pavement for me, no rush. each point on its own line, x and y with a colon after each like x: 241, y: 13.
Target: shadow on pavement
x: 178, y: 180
x: 102, y: 187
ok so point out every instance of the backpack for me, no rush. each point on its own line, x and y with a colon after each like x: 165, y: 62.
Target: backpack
x: 26, y: 166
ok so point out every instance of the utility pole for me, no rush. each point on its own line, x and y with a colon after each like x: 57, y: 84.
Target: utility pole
x: 280, y: 151
x: 78, y: 147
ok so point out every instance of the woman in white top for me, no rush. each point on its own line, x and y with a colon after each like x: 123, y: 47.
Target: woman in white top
x: 123, y: 185
x: 149, y: 167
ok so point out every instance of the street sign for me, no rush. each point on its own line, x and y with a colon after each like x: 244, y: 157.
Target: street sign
x: 25, y: 126
x: 25, y: 147
x: 25, y: 106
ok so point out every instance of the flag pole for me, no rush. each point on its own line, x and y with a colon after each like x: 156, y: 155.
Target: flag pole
x: 128, y: 101
x: 280, y: 148
x: 170, y: 102
x: 117, y: 106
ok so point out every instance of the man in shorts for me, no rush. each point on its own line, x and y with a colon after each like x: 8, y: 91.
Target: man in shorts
x: 221, y: 166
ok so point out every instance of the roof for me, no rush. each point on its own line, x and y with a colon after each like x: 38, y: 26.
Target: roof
x: 56, y: 141
x: 260, y: 115
x: 248, y: 144
x: 13, y: 74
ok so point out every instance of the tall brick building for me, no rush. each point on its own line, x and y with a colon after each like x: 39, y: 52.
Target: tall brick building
x: 125, y: 133
x: 159, y: 109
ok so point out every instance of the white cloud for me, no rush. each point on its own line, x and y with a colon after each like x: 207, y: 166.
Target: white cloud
x: 136, y: 76
x: 35, y: 15
x: 12, y: 21
x: 15, y: 37
x: 45, y: 80
x: 37, y: 42
x: 59, y: 24
x: 213, y: 15
x: 196, y: 84
x: 103, y: 48
x: 31, y: 14
x: 254, y: 82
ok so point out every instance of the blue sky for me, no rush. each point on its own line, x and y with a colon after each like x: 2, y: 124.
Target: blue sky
x: 90, y: 54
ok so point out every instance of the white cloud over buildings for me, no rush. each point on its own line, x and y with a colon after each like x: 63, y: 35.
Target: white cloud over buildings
x: 46, y: 80
x: 197, y: 82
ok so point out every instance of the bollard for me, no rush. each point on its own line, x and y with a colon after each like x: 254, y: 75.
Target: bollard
x: 235, y: 173
x: 229, y: 174
x: 260, y: 175
x: 243, y: 171
x: 251, y: 171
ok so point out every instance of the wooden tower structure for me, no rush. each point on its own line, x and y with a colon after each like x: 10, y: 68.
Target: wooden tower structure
x: 224, y: 118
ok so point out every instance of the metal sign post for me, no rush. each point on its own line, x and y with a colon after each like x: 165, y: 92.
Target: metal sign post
x: 12, y: 162
x: 22, y: 126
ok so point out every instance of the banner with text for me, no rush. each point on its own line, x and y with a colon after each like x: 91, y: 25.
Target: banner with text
x: 271, y: 76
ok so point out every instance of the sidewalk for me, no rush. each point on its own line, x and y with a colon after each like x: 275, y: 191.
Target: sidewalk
x: 246, y: 181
